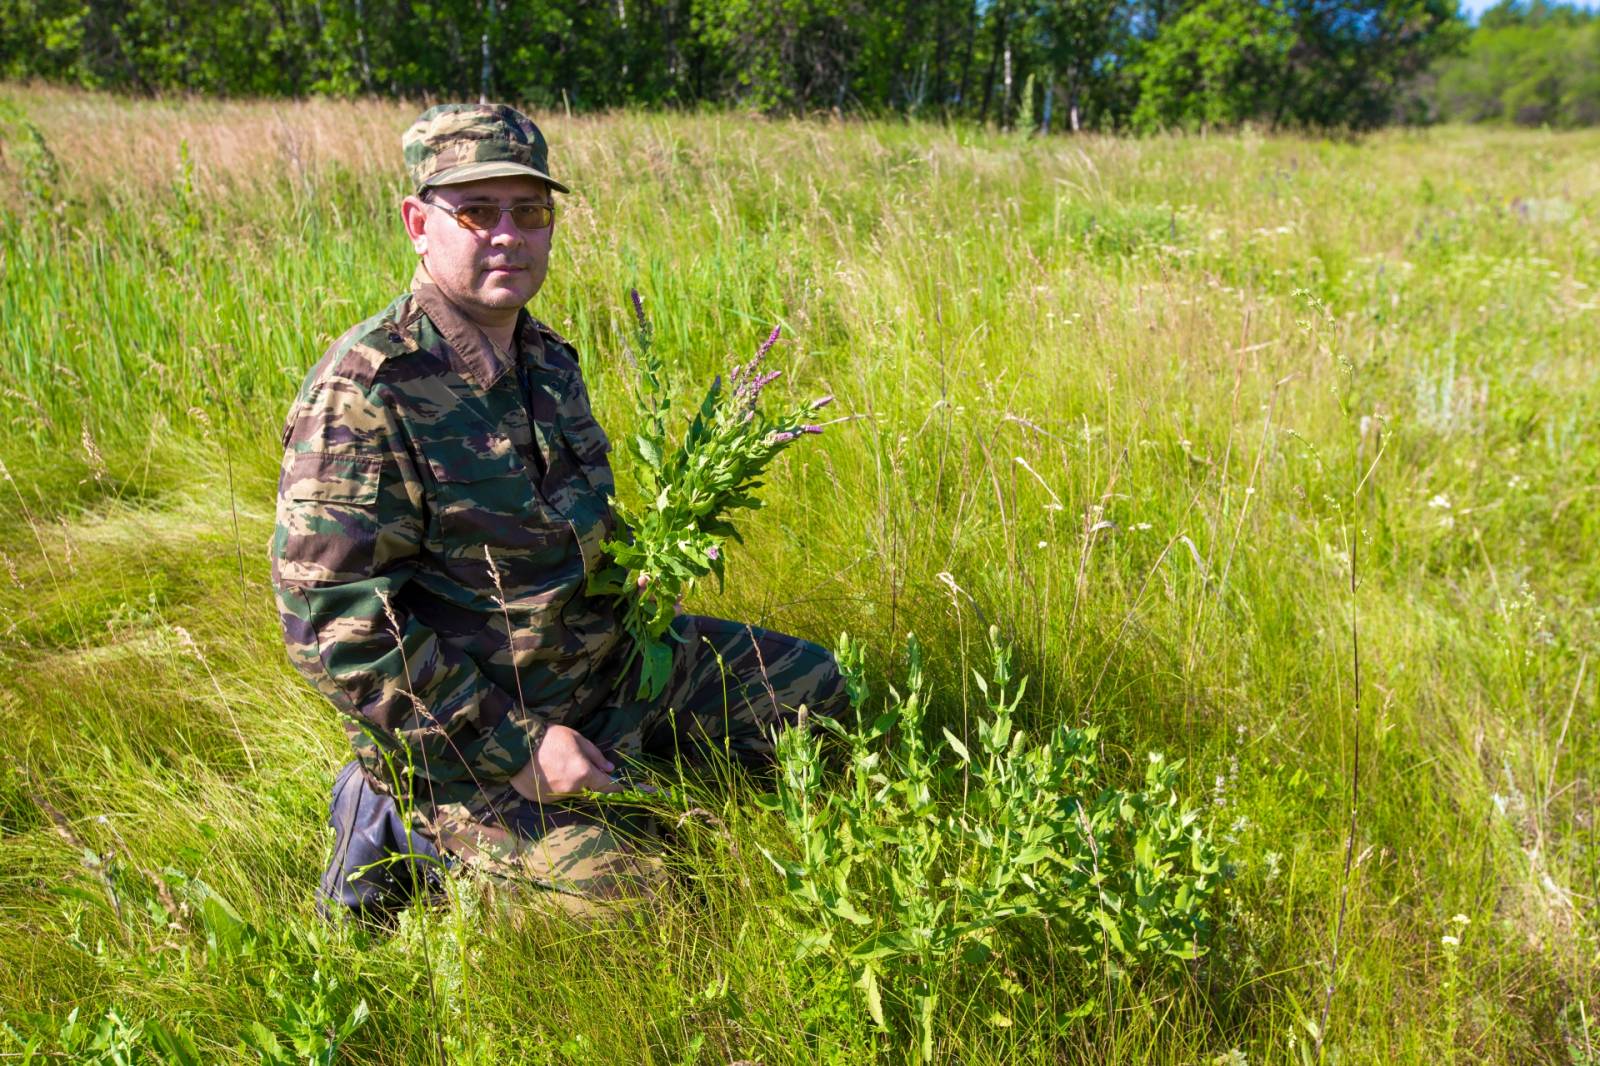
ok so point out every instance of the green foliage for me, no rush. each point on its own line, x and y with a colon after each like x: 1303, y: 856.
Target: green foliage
x: 115, y: 1041
x: 1290, y: 62
x: 1533, y: 65
x: 677, y: 533
x: 1217, y: 65
x: 1106, y: 62
x: 936, y: 857
x: 40, y: 182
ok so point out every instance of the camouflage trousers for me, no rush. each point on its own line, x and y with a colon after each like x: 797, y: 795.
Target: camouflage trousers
x: 731, y: 686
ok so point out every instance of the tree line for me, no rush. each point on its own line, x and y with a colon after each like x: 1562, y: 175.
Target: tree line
x: 1533, y: 64
x: 1044, y: 64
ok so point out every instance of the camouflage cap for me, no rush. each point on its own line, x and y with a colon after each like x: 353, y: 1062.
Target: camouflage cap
x: 453, y: 143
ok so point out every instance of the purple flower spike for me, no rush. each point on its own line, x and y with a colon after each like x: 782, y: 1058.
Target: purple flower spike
x: 712, y: 553
x: 783, y: 436
x: 766, y: 345
x: 638, y: 307
x: 810, y: 429
x: 817, y: 405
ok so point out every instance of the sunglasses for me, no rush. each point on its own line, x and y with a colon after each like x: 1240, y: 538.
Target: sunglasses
x: 482, y: 217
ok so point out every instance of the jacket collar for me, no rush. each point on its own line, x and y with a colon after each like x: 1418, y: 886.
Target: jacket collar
x: 470, y: 349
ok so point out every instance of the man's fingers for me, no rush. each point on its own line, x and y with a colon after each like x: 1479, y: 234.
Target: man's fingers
x: 592, y: 753
x: 600, y: 781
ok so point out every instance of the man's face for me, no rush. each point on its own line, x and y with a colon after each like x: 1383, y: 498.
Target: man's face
x: 489, y: 273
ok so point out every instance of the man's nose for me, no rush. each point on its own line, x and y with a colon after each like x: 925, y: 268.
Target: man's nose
x: 505, y: 233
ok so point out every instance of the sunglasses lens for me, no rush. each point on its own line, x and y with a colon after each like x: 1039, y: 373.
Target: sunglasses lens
x: 479, y: 216
x: 532, y: 216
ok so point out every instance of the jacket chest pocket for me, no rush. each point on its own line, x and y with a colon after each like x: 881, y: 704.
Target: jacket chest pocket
x: 592, y: 448
x: 488, y: 502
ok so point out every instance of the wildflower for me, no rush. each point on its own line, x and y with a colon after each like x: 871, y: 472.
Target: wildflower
x: 749, y: 390
x: 691, y: 487
x: 766, y: 345
x: 638, y: 309
x: 761, y: 353
x: 821, y: 402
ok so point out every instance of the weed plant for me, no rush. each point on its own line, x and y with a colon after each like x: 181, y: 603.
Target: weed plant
x: 931, y: 862
x: 677, y: 534
x: 1131, y: 402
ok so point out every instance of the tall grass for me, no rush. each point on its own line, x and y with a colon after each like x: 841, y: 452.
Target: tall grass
x: 1117, y: 398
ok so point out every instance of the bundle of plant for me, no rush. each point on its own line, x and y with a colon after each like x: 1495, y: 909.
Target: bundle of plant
x: 677, y: 535
x: 932, y: 860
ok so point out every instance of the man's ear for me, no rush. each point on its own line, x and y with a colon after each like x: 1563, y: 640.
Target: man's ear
x: 414, y: 213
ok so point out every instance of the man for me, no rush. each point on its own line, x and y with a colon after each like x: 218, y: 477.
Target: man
x: 443, y: 497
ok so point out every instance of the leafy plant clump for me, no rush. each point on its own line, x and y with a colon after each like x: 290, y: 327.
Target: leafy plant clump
x: 677, y: 536
x: 930, y: 857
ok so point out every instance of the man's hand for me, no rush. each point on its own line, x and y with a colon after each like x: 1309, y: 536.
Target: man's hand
x: 566, y: 763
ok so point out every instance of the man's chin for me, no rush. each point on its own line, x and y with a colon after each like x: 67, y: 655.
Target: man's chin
x: 504, y: 296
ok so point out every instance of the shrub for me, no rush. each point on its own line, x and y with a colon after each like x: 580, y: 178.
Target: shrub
x: 931, y: 856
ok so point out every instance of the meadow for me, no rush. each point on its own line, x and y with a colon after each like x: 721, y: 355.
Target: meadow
x: 1205, y: 426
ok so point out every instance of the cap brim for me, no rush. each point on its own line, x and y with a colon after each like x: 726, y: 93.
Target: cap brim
x: 480, y: 171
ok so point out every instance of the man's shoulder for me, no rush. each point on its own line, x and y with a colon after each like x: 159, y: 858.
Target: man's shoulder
x: 558, y: 350
x: 368, y: 351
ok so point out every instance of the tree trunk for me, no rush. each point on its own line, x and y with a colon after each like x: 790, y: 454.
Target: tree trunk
x: 911, y: 80
x: 486, y: 79
x: 1000, y: 20
x: 1005, y: 101
x: 966, y: 61
x: 361, y: 47
x: 939, y: 43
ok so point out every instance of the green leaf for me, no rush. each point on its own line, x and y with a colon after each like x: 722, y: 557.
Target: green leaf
x: 883, y: 945
x: 846, y: 910
x: 175, y: 1043
x: 1144, y: 852
x: 869, y: 986
x: 959, y: 748
x: 655, y: 670
x: 1081, y: 1011
x: 607, y: 581
x: 264, y: 1042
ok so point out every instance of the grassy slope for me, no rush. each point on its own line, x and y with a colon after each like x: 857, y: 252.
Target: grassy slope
x: 1208, y: 342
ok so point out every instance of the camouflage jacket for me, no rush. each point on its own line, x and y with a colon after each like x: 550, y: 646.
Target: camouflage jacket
x: 409, y: 454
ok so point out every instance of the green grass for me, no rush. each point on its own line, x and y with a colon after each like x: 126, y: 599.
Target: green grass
x: 1249, y: 354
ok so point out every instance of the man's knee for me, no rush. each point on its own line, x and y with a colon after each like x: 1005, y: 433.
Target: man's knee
x: 379, y: 863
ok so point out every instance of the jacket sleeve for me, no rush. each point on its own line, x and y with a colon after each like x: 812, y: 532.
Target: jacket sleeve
x: 349, y: 528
